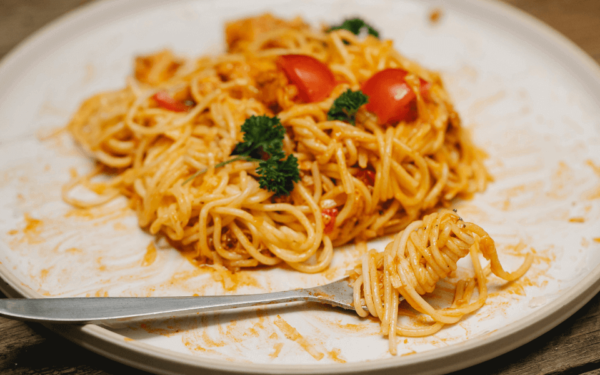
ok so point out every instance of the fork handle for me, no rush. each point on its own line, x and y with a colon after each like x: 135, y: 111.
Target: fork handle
x: 119, y: 310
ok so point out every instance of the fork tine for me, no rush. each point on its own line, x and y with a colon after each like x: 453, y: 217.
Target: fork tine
x: 339, y: 293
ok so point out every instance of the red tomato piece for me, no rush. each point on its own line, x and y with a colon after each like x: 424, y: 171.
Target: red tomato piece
x: 425, y: 86
x: 329, y: 215
x: 164, y: 100
x: 390, y: 97
x: 313, y: 78
x: 367, y: 176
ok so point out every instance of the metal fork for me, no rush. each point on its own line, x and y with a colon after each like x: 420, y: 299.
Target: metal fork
x: 118, y: 310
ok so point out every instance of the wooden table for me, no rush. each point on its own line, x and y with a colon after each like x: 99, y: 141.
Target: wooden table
x: 571, y: 348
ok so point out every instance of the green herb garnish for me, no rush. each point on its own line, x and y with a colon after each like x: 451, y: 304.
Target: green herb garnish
x: 344, y: 108
x: 279, y: 175
x: 261, y: 133
x: 264, y: 135
x: 355, y: 25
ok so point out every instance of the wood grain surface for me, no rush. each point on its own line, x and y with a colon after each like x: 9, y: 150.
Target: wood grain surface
x: 571, y: 348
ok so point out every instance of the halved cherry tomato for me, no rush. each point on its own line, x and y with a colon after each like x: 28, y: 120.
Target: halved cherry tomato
x: 367, y: 176
x: 390, y: 97
x: 329, y: 215
x: 313, y: 78
x: 164, y: 100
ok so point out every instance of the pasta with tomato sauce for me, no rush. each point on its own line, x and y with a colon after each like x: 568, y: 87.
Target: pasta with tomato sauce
x: 292, y: 142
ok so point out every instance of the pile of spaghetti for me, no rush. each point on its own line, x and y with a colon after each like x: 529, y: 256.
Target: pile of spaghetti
x: 294, y: 141
x: 411, y: 265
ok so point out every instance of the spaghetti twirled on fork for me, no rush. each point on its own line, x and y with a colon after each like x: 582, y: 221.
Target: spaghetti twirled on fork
x: 411, y: 265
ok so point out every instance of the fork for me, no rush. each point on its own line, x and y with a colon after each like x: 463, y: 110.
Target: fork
x: 118, y: 310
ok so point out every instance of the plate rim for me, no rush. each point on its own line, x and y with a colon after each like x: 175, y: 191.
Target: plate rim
x: 484, y: 347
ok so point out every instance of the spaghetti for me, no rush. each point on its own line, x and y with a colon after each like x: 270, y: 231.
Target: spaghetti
x: 165, y: 141
x: 420, y: 255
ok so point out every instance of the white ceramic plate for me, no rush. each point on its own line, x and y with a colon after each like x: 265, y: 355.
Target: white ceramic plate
x: 530, y: 97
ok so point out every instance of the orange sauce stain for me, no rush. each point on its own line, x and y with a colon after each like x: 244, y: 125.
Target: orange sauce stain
x: 44, y: 274
x: 276, y: 350
x: 292, y: 334
x: 185, y: 280
x: 585, y: 242
x: 594, y: 194
x: 120, y: 226
x: 252, y: 332
x: 409, y: 353
x: 210, y: 342
x: 561, y: 180
x: 594, y: 167
x: 349, y: 327
x: 597, y: 239
x: 73, y: 250
x: 256, y: 328
x: 107, y: 213
x: 576, y: 220
x: 232, y: 332
x: 150, y: 255
x: 512, y: 198
x: 515, y: 288
x: 13, y: 232
x: 101, y: 293
x: 547, y: 258
x: 274, y: 336
x: 241, y: 278
x: 46, y: 134
x: 159, y: 331
x: 195, y: 347
x: 261, y: 320
x: 128, y: 339
x: 321, y: 295
x: 335, y: 355
x: 231, y: 281
x: 330, y: 274
x: 31, y: 232
x: 32, y: 225
x: 435, y: 15
x: 183, y: 276
x: 101, y: 267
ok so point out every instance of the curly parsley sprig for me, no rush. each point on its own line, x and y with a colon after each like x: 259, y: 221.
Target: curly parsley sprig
x: 344, y: 108
x: 355, y: 25
x: 261, y: 133
x: 279, y: 176
x: 264, y: 134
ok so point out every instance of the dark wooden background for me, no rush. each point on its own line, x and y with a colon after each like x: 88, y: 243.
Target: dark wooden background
x: 571, y: 348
